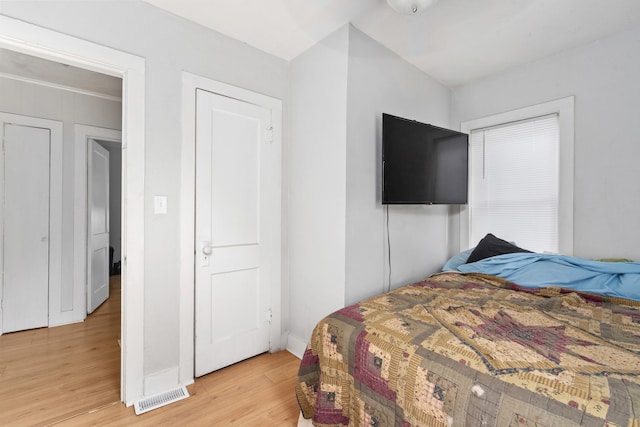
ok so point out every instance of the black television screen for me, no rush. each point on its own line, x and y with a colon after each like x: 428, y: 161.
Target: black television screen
x: 423, y: 164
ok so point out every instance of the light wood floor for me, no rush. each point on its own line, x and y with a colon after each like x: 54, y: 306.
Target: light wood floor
x: 70, y: 375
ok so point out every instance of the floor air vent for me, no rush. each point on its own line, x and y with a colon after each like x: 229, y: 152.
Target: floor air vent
x: 153, y: 402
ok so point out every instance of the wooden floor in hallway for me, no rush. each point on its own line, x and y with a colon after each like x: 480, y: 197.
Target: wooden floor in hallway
x: 51, y: 374
x: 70, y: 376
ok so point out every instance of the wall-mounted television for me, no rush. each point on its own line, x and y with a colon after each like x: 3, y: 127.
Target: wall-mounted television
x: 423, y: 164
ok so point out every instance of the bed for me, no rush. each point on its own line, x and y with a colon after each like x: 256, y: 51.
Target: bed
x: 470, y: 348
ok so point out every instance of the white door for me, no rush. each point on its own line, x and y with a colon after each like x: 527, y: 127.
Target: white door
x: 234, y: 178
x: 26, y: 227
x: 98, y: 226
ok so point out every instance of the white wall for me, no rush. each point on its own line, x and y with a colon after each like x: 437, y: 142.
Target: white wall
x: 382, y: 82
x: 603, y: 76
x: 317, y: 189
x: 28, y: 99
x: 339, y: 90
x: 169, y: 45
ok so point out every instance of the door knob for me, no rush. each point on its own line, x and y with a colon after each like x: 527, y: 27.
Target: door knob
x: 207, y: 249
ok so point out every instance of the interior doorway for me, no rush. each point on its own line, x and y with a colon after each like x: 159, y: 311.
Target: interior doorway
x: 31, y: 39
x: 61, y: 300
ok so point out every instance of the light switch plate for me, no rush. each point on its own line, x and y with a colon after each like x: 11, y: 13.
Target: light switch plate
x: 159, y: 205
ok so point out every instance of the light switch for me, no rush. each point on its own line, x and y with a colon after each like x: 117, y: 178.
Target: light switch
x: 159, y: 205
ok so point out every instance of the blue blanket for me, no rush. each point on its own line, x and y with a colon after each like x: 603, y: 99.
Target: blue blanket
x: 532, y: 270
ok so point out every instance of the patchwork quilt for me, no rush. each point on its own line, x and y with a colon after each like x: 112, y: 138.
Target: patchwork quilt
x: 475, y: 350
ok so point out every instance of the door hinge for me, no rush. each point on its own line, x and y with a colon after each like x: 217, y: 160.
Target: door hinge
x: 269, y: 316
x: 268, y: 134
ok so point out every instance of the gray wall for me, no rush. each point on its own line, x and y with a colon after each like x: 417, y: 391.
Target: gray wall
x: 382, y: 82
x: 169, y: 46
x: 603, y: 76
x: 317, y: 176
x: 337, y: 241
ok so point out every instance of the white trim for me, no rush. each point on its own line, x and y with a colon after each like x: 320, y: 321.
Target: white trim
x: 82, y: 134
x: 191, y: 82
x: 564, y: 107
x: 56, y: 315
x: 37, y: 41
x: 161, y: 381
x: 296, y: 345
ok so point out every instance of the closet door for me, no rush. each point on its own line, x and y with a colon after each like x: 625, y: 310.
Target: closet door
x: 235, y: 205
x: 26, y: 227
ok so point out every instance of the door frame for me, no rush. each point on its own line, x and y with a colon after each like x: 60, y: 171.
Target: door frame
x: 190, y: 83
x: 37, y: 41
x: 55, y: 314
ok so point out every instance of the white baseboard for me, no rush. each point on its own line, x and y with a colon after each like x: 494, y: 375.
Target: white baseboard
x: 59, y: 322
x: 161, y: 381
x: 304, y: 423
x: 296, y: 346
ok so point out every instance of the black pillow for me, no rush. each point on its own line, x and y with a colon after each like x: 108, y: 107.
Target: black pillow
x: 490, y: 246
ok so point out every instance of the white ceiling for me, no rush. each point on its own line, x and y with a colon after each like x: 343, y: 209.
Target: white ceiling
x: 454, y: 41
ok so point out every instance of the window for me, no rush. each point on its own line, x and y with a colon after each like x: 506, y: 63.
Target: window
x: 521, y: 178
x: 513, y: 190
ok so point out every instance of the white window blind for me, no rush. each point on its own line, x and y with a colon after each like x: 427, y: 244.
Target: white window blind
x: 514, y: 181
